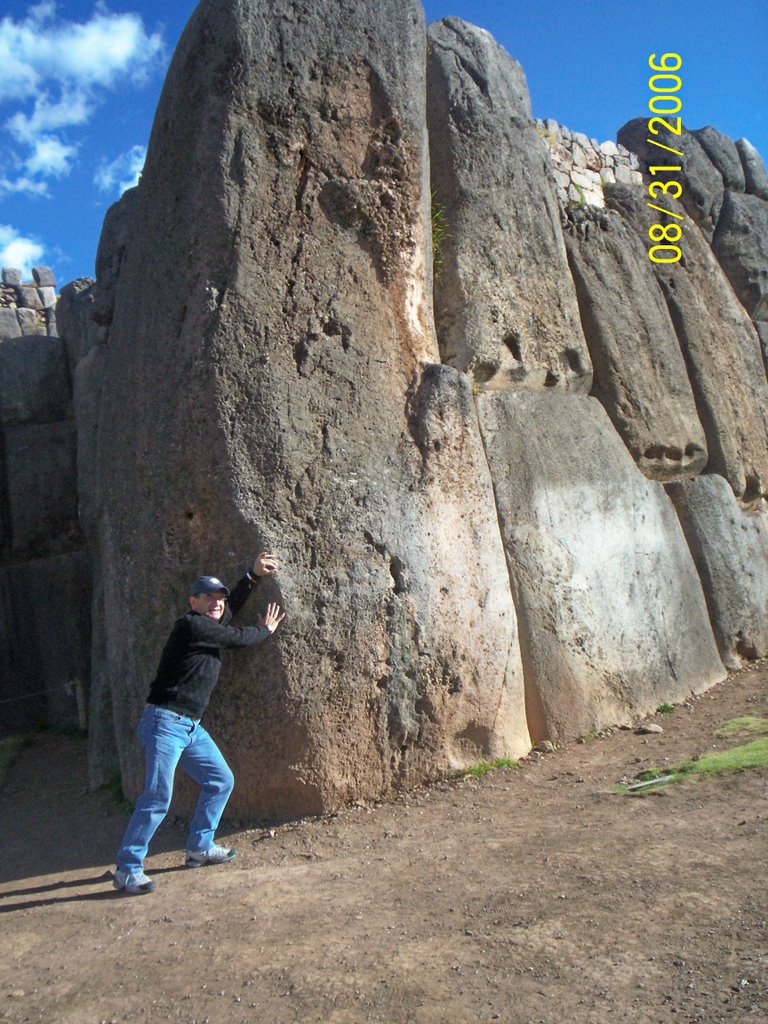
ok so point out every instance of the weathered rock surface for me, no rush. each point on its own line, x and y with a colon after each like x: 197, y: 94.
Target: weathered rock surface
x: 639, y: 372
x: 115, y: 234
x: 273, y: 273
x: 41, y: 487
x: 702, y: 183
x: 74, y: 318
x: 44, y: 571
x: 730, y: 548
x: 34, y: 381
x: 45, y: 640
x: 723, y: 154
x: 741, y: 245
x: 611, y: 611
x: 761, y: 326
x: 755, y: 178
x: 721, y: 352
x: 505, y: 308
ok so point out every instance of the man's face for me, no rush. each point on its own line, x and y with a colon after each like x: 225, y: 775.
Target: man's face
x: 210, y: 605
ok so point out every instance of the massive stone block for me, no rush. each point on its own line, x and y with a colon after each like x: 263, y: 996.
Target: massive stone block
x: 264, y: 385
x: 741, y: 245
x: 41, y: 488
x: 612, y: 615
x: 755, y: 178
x: 45, y: 610
x: 505, y: 307
x: 721, y: 351
x: 702, y: 182
x: 723, y: 154
x: 730, y: 549
x: 74, y: 319
x: 640, y: 374
x: 34, y: 381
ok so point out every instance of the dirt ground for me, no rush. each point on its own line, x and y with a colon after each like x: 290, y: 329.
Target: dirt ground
x: 535, y: 895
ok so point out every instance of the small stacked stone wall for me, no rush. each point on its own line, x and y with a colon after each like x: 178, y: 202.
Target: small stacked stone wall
x: 583, y: 165
x: 27, y: 308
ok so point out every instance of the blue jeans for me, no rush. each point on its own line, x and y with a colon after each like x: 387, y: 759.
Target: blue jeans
x: 169, y: 740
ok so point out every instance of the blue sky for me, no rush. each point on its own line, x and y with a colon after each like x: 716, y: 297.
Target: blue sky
x: 79, y: 82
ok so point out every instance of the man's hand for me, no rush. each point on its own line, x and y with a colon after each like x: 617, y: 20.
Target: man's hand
x: 264, y: 564
x: 272, y: 617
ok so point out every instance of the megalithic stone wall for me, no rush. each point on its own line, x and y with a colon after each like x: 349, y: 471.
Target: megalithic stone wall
x: 472, y: 558
x: 610, y: 608
x: 265, y: 383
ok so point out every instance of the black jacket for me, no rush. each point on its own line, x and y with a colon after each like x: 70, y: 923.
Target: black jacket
x: 190, y: 662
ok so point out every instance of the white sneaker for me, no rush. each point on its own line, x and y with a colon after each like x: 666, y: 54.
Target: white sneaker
x: 214, y: 855
x: 136, y: 884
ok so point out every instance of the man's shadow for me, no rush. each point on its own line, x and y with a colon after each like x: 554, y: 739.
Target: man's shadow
x: 103, y: 879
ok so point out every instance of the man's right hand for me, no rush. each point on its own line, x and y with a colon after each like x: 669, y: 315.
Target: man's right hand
x: 272, y: 617
x: 264, y: 564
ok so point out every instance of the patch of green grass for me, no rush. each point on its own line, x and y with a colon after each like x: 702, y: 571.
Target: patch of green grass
x: 476, y: 771
x: 115, y: 798
x: 716, y: 762
x: 749, y: 725
x: 9, y: 749
x: 665, y: 709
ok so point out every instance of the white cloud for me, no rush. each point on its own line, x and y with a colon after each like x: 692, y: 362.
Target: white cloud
x: 50, y: 158
x: 23, y: 186
x: 73, y: 108
x: 42, y: 48
x: 19, y: 252
x: 61, y: 69
x: 123, y: 172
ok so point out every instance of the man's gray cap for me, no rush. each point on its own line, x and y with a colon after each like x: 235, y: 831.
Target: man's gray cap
x: 207, y: 585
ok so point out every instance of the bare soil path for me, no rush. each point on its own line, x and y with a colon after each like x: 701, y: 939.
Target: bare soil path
x: 532, y: 896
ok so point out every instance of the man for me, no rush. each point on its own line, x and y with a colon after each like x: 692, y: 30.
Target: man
x: 170, y: 728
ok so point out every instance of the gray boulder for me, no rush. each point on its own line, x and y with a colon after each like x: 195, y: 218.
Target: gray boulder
x: 41, y: 488
x: 44, y: 277
x: 702, y: 183
x: 721, y: 352
x: 639, y: 373
x: 44, y: 654
x: 741, y: 246
x: 34, y: 381
x: 755, y: 178
x: 264, y: 386
x: 505, y: 307
x: 611, y: 611
x: 31, y: 321
x: 74, y: 318
x: 115, y: 233
x: 730, y: 549
x: 723, y: 154
x: 9, y: 323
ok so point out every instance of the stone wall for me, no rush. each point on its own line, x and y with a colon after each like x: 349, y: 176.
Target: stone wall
x: 45, y: 590
x: 514, y: 499
x: 584, y: 166
x: 27, y: 308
